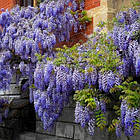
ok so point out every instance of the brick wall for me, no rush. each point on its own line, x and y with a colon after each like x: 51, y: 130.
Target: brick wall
x: 7, y: 4
x: 89, y: 4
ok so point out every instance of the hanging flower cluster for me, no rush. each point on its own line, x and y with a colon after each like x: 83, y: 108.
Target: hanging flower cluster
x: 98, y: 66
x: 27, y: 31
x: 52, y: 91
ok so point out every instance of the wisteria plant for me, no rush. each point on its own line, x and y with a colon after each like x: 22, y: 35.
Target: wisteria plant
x: 27, y: 31
x: 105, y: 70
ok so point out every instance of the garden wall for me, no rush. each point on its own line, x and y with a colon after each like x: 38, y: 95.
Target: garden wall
x: 23, y: 124
x: 7, y: 4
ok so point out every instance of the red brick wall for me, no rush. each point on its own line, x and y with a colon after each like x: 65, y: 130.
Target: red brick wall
x: 89, y: 4
x: 7, y: 4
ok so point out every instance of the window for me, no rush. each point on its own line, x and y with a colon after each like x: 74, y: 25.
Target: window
x: 25, y: 2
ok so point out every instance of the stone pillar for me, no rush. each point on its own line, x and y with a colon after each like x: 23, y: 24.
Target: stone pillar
x: 115, y: 6
x: 99, y: 13
x: 106, y: 10
x: 92, y: 7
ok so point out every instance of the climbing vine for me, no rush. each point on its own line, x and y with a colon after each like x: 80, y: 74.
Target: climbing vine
x: 105, y: 70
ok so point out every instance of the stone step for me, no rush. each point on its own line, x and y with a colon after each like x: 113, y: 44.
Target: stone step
x: 26, y: 136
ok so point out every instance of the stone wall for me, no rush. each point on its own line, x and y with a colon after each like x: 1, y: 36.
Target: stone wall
x: 115, y: 6
x: 21, y: 115
x: 119, y: 4
x: 107, y: 10
x: 23, y: 124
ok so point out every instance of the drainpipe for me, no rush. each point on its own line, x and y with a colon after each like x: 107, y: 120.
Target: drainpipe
x: 34, y: 3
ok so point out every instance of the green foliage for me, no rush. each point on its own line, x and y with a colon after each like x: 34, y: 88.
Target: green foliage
x: 64, y: 53
x: 85, y: 97
x: 84, y: 13
x: 136, y: 126
x: 112, y: 126
x: 38, y: 2
x: 39, y: 57
x: 117, y: 110
x: 83, y: 16
x: 100, y: 119
x: 101, y: 24
x: 102, y: 54
x: 105, y: 58
x: 32, y: 86
x: 130, y: 91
